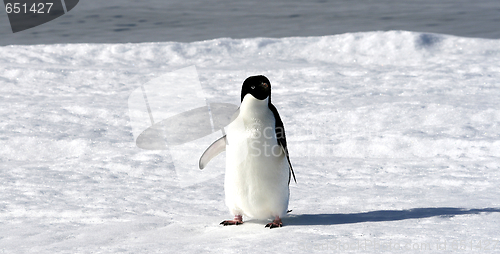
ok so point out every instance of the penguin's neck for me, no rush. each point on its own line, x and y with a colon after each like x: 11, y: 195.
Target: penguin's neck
x: 250, y: 106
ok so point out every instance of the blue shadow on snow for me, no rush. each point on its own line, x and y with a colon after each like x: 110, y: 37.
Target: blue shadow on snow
x: 383, y: 215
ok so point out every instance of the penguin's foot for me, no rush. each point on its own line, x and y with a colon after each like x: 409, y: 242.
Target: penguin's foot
x: 275, y: 224
x: 238, y: 219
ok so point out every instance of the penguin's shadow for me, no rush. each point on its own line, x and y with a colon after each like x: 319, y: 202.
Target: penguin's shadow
x: 382, y: 215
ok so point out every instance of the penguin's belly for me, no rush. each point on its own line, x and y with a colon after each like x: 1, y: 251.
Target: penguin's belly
x: 257, y: 173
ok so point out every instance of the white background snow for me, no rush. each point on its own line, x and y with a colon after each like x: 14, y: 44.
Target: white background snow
x: 394, y: 137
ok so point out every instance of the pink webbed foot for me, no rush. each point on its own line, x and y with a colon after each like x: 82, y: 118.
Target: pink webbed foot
x: 275, y: 224
x: 238, y: 219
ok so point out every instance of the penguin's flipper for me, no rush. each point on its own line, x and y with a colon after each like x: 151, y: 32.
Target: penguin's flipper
x: 280, y: 135
x: 289, y: 163
x: 213, y: 150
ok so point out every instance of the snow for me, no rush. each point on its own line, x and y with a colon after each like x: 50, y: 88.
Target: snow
x: 394, y: 137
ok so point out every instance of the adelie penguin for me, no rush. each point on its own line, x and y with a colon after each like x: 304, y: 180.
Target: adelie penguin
x: 258, y: 169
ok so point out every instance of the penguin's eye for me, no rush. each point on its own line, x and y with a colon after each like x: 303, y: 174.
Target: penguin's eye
x: 253, y: 87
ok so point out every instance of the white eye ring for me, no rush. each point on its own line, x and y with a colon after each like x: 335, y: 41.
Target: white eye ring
x: 253, y: 87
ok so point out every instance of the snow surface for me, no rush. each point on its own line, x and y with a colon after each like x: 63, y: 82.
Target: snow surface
x: 394, y: 137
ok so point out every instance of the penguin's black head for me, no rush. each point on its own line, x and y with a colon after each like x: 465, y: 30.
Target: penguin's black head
x: 258, y: 86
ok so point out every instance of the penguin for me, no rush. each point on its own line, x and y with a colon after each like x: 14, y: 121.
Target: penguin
x: 258, y: 167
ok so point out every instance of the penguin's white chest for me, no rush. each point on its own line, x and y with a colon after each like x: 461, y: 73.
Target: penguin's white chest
x: 257, y: 173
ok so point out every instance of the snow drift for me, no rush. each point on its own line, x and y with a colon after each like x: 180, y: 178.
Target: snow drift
x: 394, y: 137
